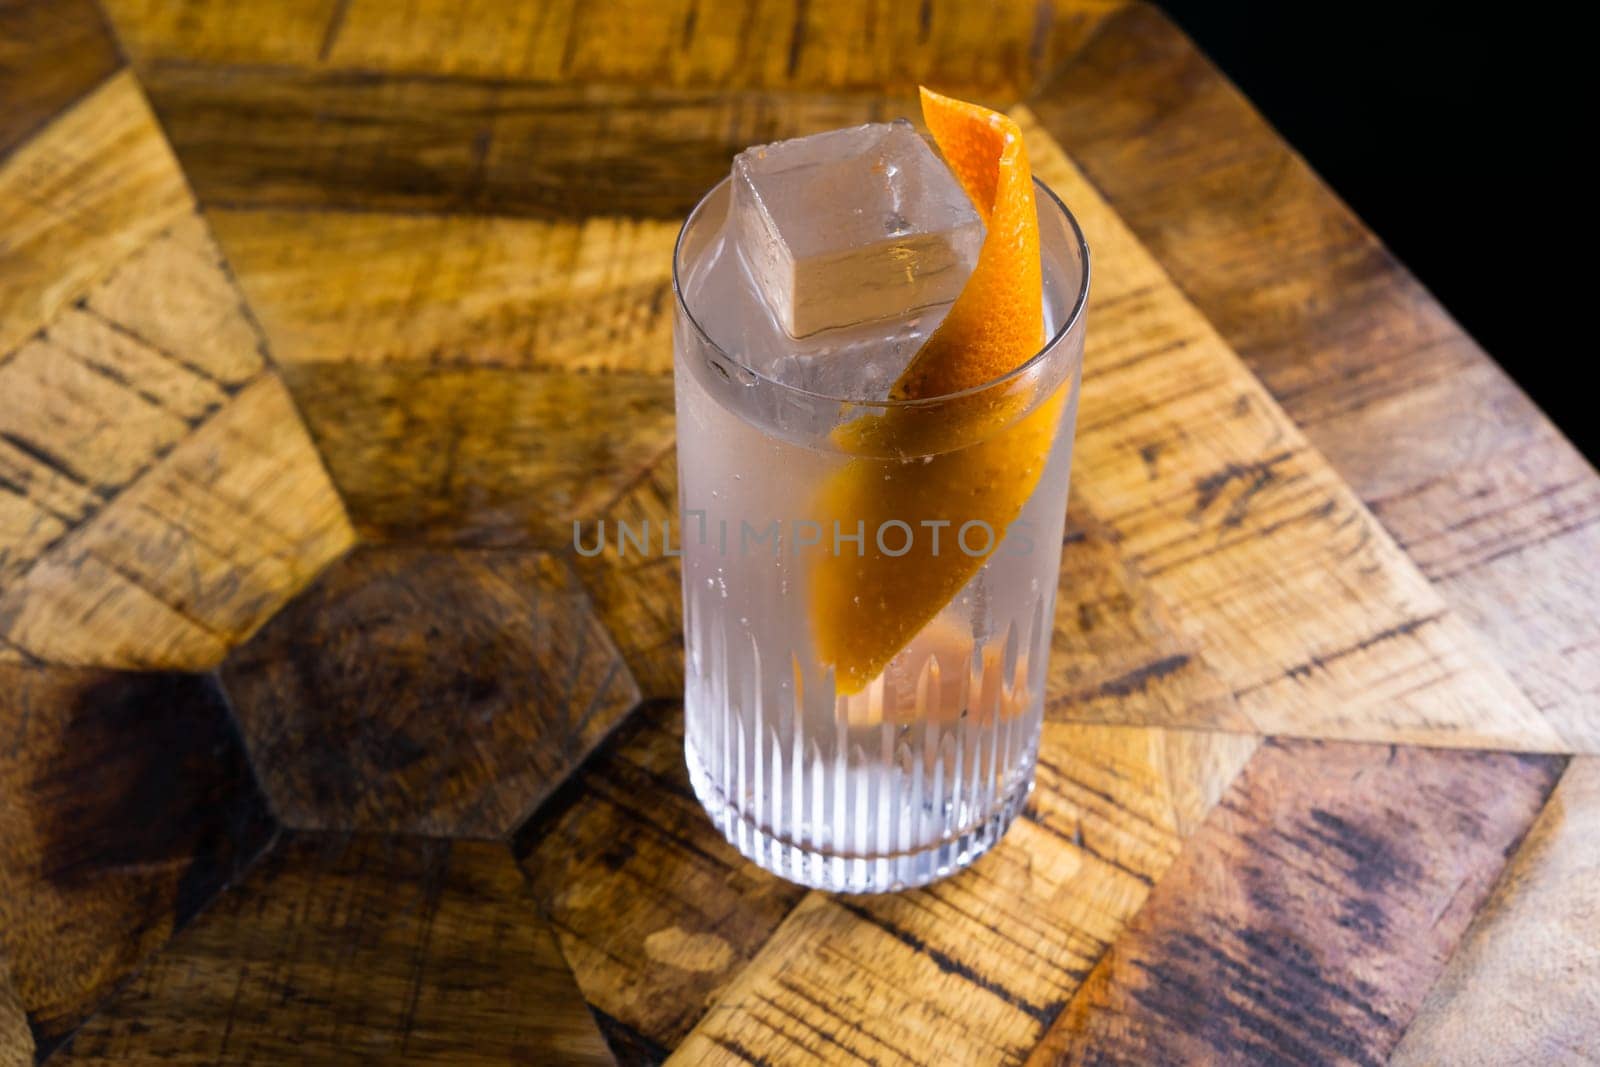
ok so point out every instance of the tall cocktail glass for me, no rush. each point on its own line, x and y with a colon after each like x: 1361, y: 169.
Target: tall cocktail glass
x: 794, y: 506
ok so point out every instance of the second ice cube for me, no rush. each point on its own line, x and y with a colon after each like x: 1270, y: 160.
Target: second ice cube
x: 852, y: 225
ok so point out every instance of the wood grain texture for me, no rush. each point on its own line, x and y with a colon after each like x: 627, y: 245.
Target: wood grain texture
x: 1119, y: 653
x: 356, y: 948
x: 263, y: 32
x: 1524, y: 987
x: 975, y: 968
x: 126, y: 804
x: 79, y: 198
x: 640, y: 597
x: 592, y: 297
x: 1496, y: 507
x: 469, y: 381
x: 1311, y: 613
x: 479, y: 456
x: 51, y: 54
x: 112, y: 383
x: 159, y: 498
x: 823, y: 45
x: 215, y: 534
x: 453, y: 226
x: 434, y: 692
x: 1310, y: 913
x: 305, y: 139
x: 654, y: 910
x: 614, y: 870
x: 16, y: 1040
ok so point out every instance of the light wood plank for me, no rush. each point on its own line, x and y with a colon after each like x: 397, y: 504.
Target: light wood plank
x: 200, y: 551
x: 1524, y: 987
x: 1119, y: 654
x: 78, y: 419
x: 177, y: 296
x: 592, y: 297
x: 996, y: 51
x: 1508, y: 543
x: 269, y: 31
x: 79, y: 198
x: 1316, y: 619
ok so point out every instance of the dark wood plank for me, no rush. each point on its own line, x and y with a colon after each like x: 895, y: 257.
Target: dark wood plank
x: 654, y: 910
x: 126, y: 804
x: 16, y: 1040
x: 278, y: 138
x: 1465, y: 472
x: 1311, y: 912
x: 435, y: 692
x: 340, y: 949
x: 479, y: 456
x: 51, y: 53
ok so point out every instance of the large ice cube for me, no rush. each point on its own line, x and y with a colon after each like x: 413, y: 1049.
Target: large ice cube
x: 857, y: 362
x: 851, y: 226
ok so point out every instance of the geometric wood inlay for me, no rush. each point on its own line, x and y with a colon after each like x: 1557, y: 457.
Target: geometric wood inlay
x: 126, y: 803
x: 428, y: 304
x: 434, y: 692
x: 1317, y: 884
x: 356, y: 947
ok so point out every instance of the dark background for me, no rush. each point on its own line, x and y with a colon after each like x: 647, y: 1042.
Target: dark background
x: 1453, y: 132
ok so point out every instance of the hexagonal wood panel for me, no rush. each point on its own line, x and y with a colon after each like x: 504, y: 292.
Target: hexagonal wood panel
x: 321, y: 323
x: 433, y: 692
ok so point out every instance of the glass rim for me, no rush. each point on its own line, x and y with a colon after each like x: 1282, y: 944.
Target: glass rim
x: 1080, y: 302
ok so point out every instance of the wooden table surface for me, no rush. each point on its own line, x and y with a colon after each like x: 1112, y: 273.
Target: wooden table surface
x: 320, y: 323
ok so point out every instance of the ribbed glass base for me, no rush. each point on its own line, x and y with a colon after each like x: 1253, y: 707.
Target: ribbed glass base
x: 856, y: 873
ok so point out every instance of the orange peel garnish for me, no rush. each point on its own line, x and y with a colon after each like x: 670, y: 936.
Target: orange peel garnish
x: 971, y: 459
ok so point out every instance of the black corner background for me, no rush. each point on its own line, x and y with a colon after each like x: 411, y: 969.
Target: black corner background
x: 1454, y: 131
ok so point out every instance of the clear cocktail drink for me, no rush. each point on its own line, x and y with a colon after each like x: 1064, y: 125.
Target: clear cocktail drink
x: 869, y: 583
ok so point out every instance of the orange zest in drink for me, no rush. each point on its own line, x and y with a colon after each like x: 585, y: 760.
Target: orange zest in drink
x: 968, y: 459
